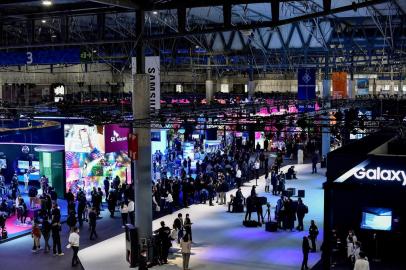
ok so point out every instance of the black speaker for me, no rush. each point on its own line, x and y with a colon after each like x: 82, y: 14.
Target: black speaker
x: 271, y: 226
x: 291, y: 192
x: 132, y: 245
x: 301, y: 193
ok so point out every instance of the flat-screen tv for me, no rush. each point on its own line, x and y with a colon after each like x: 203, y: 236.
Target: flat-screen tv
x: 374, y: 218
x: 23, y: 164
x: 35, y: 164
x: 3, y: 163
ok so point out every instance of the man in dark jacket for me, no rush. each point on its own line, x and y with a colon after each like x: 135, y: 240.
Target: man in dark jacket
x: 92, y: 223
x: 301, y: 211
x: 46, y: 232
x: 305, y: 250
x: 164, y: 242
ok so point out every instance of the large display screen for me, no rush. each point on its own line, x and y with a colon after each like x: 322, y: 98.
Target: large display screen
x: 84, y: 138
x: 86, y: 159
x: 377, y: 219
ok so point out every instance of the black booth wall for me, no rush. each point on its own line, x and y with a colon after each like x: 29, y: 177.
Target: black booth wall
x: 347, y: 203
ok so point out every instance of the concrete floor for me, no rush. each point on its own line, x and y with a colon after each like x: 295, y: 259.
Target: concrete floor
x: 221, y: 242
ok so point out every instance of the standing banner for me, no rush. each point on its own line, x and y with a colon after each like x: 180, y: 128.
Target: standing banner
x: 363, y: 86
x: 152, y: 68
x: 339, y: 84
x: 306, y: 78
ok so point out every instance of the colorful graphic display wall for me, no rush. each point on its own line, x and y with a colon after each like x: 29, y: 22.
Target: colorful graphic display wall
x: 93, y: 153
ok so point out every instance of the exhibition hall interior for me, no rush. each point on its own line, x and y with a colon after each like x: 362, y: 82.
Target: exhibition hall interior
x: 202, y: 134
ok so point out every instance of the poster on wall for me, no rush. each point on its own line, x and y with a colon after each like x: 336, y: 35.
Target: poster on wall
x: 152, y: 68
x: 363, y: 86
x: 87, y: 160
x: 306, y: 78
x: 339, y: 80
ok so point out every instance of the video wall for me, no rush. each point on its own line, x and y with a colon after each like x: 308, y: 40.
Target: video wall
x: 93, y: 153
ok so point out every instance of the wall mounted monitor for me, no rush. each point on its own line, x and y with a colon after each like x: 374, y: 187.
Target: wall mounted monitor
x: 23, y: 164
x: 376, y: 219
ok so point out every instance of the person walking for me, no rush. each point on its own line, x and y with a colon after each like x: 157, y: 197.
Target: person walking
x: 186, y: 247
x: 164, y: 242
x: 267, y: 182
x: 56, y: 238
x: 124, y: 213
x: 74, y: 244
x: 301, y: 211
x: 305, y: 250
x: 92, y: 223
x: 315, y: 160
x: 178, y: 224
x: 313, y: 232
x: 188, y: 226
x: 131, y: 211
x: 46, y: 233
x: 36, y: 236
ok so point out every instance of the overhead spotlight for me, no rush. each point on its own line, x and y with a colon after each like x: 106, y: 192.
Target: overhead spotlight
x: 43, y: 21
x: 94, y: 51
x: 53, y: 36
x: 155, y: 12
x: 47, y: 3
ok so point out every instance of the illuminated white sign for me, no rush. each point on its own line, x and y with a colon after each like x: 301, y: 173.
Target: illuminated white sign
x: 382, y: 175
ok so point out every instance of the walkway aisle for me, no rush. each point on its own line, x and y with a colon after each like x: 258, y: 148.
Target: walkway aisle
x: 221, y: 240
x: 17, y: 255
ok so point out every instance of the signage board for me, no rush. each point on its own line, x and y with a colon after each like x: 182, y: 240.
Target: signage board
x: 377, y: 170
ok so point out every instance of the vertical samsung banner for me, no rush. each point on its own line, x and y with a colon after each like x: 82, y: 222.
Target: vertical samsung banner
x: 306, y: 84
x: 339, y: 80
x: 152, y: 68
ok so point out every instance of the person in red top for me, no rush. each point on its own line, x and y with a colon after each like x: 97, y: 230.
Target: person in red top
x: 36, y: 235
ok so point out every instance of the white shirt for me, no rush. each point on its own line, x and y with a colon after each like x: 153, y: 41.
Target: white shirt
x: 124, y: 209
x: 169, y: 198
x: 256, y: 165
x: 361, y: 264
x: 238, y: 174
x: 74, y: 239
x: 130, y: 206
x: 268, y: 180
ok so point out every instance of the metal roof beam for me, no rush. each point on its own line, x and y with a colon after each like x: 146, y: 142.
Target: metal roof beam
x: 174, y: 4
x: 129, y: 4
x: 273, y: 23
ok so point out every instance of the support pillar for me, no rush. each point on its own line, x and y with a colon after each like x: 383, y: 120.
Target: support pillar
x: 142, y: 167
x: 1, y: 89
x: 374, y: 87
x: 351, y: 88
x: 209, y: 83
x: 209, y: 90
x: 26, y: 94
x: 325, y: 137
x: 142, y: 172
x: 251, y: 83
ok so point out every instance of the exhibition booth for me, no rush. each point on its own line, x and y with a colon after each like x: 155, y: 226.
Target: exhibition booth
x: 34, y: 160
x: 364, y: 192
x: 94, y: 153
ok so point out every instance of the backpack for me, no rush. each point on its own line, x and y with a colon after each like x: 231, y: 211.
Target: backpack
x: 306, y: 209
